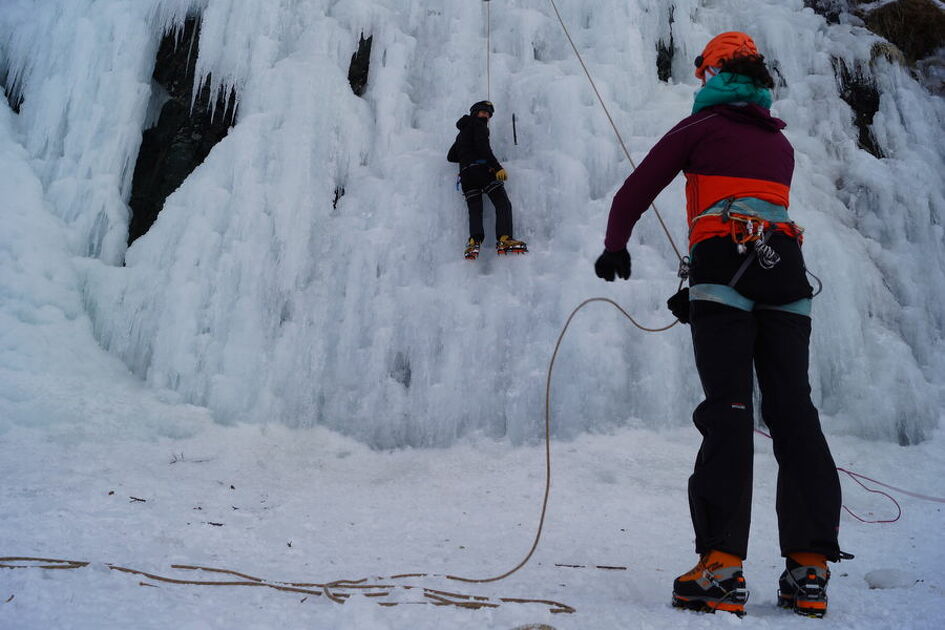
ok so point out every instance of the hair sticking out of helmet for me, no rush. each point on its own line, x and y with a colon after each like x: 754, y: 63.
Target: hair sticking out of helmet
x: 722, y: 47
x: 482, y: 106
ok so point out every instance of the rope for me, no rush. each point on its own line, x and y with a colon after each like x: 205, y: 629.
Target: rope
x: 488, y: 51
x: 551, y: 367
x: 868, y: 489
x: 915, y: 495
x: 335, y: 591
x: 855, y: 476
x: 338, y: 591
x: 613, y: 125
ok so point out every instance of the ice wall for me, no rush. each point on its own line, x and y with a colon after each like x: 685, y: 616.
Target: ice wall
x: 84, y: 70
x: 256, y: 295
x: 53, y: 374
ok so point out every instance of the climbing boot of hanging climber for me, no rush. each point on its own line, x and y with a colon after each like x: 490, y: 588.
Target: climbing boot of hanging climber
x: 508, y: 245
x: 715, y: 583
x: 803, y: 584
x: 481, y: 174
x: 472, y: 249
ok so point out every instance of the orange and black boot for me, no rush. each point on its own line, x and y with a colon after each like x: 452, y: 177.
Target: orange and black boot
x: 508, y: 245
x: 715, y: 583
x: 472, y: 249
x: 803, y: 585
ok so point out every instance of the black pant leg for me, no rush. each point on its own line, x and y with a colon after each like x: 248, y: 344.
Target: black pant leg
x: 503, y: 211
x: 809, y: 499
x: 720, y: 486
x: 474, y: 203
x: 473, y: 179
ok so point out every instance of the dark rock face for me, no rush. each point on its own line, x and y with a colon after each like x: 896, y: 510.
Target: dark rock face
x: 830, y: 9
x: 859, y: 91
x: 401, y: 371
x: 183, y: 136
x: 665, y: 52
x: 664, y: 60
x: 10, y: 89
x: 360, y: 65
x: 917, y: 27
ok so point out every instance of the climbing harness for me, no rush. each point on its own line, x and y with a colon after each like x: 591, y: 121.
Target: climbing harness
x: 750, y: 220
x: 459, y: 176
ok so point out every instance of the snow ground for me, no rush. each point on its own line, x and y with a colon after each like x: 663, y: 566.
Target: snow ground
x: 350, y: 512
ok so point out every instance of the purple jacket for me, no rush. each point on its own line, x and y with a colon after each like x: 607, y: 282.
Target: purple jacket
x: 725, y: 151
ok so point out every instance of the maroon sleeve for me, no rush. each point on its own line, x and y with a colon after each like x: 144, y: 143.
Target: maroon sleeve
x: 655, y: 172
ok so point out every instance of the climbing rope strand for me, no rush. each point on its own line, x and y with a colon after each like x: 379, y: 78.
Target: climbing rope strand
x: 623, y: 145
x: 488, y: 51
x: 338, y: 591
x: 874, y: 491
x: 331, y: 590
x: 855, y: 476
x: 551, y: 367
x: 915, y: 495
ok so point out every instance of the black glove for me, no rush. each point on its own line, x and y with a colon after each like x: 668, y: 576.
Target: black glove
x: 610, y: 263
x: 679, y: 305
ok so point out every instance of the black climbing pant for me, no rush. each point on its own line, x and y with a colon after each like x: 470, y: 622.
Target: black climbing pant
x: 477, y: 180
x: 728, y: 342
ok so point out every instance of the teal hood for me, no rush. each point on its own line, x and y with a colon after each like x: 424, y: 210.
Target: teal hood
x: 727, y: 87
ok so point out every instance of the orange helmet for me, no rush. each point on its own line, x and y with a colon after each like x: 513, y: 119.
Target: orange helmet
x: 724, y: 46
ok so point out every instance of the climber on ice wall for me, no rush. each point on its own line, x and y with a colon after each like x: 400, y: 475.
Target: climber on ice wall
x: 749, y: 307
x: 480, y: 173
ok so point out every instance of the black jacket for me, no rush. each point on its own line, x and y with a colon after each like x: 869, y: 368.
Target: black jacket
x: 472, y: 144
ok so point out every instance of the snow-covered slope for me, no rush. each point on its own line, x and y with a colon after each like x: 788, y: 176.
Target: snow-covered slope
x: 312, y: 506
x: 254, y: 296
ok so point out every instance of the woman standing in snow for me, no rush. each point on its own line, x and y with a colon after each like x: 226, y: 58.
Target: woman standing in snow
x: 480, y: 173
x: 749, y: 306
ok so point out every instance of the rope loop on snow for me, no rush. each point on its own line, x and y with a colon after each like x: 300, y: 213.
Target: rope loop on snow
x: 338, y: 591
x: 551, y: 367
x: 855, y: 476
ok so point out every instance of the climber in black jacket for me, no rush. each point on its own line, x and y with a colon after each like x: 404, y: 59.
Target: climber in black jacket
x: 480, y: 172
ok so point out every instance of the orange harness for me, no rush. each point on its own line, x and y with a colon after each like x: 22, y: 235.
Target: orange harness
x: 741, y: 228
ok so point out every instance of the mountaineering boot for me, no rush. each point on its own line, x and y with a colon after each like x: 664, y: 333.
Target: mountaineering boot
x: 803, y: 585
x: 715, y: 583
x: 472, y: 249
x: 508, y: 245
